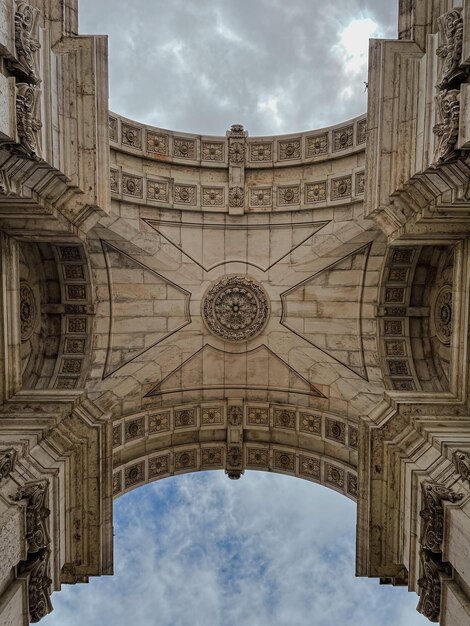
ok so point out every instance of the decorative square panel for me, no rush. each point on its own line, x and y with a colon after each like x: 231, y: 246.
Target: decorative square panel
x: 158, y: 143
x: 395, y: 348
x: 74, y: 346
x: 71, y: 366
x: 395, y: 294
x: 159, y: 465
x: 76, y: 292
x: 64, y: 382
x: 334, y: 475
x: 185, y: 194
x: 185, y: 460
x: 212, y: 457
x: 398, y: 274
x: 69, y: 253
x: 131, y: 136
x: 76, y: 325
x: 184, y: 148
x: 341, y: 188
x: 289, y: 149
x: 262, y: 151
x: 159, y: 422
x: 185, y: 418
x: 213, y: 196
x: 73, y: 272
x: 336, y: 430
x: 403, y: 256
x: 393, y: 327
x: 213, y: 151
x: 342, y: 138
x: 134, y: 429
x: 310, y: 423
x: 403, y: 385
x: 284, y: 461
x: 157, y: 190
x: 257, y: 457
x: 317, y: 144
x: 309, y: 467
x: 117, y: 435
x: 132, y: 185
x: 315, y: 192
x: 352, y: 437
x: 261, y: 196
x: 284, y: 418
x: 212, y: 415
x: 288, y: 195
x: 134, y: 474
x: 398, y: 368
x: 257, y: 416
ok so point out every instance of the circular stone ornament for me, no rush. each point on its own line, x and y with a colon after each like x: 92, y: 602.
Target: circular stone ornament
x: 443, y: 314
x: 235, y: 308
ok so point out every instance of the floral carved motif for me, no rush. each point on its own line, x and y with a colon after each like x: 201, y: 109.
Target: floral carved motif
x: 7, y: 462
x: 261, y: 197
x: 261, y: 151
x: 236, y: 197
x: 235, y: 308
x: 184, y: 148
x: 289, y: 195
x: 26, y: 45
x: 284, y: 418
x: 432, y: 514
x: 317, y: 144
x: 341, y: 188
x: 157, y: 143
x: 343, y: 138
x: 451, y: 32
x: 462, y: 463
x: 185, y: 194
x: 37, y: 513
x: 447, y: 131
x: 315, y: 192
x: 212, y: 151
x: 289, y: 150
x: 235, y: 415
x: 212, y: 196
x: 237, y: 152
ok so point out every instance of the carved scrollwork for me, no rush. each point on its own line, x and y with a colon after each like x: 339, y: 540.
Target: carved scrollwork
x: 432, y: 514
x: 451, y: 32
x: 236, y: 197
x: 26, y: 45
x: 7, y: 462
x: 27, y: 122
x: 448, y: 105
x: 237, y: 152
x: 462, y: 463
x: 37, y: 513
x: 39, y: 585
x: 430, y: 585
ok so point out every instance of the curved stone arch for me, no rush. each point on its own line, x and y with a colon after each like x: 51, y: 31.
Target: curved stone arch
x: 234, y: 436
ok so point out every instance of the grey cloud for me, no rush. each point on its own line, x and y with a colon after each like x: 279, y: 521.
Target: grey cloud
x: 200, y: 65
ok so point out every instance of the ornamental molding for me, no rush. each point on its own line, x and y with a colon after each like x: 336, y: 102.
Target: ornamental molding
x: 37, y: 514
x: 235, y: 308
x: 432, y: 514
x: 8, y: 459
x: 462, y: 464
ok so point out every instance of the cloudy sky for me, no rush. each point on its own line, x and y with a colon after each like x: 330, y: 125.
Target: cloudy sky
x: 268, y: 550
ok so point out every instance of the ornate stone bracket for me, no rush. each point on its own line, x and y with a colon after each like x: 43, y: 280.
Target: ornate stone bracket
x: 37, y: 513
x: 27, y: 122
x: 26, y: 44
x: 7, y: 462
x: 430, y: 585
x: 462, y: 464
x: 432, y: 514
x: 39, y: 584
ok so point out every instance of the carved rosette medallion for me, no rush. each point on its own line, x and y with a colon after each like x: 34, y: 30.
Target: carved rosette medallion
x: 235, y: 308
x: 443, y: 314
x: 27, y: 311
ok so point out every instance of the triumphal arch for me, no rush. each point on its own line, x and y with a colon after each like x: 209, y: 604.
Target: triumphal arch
x: 175, y: 302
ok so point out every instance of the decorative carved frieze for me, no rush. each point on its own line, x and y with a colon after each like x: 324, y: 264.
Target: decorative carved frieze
x: 462, y: 464
x: 429, y: 585
x: 39, y: 585
x: 27, y: 121
x: 7, y: 462
x: 37, y: 513
x: 432, y: 514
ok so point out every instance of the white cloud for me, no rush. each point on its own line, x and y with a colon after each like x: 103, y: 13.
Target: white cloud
x: 200, y: 550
